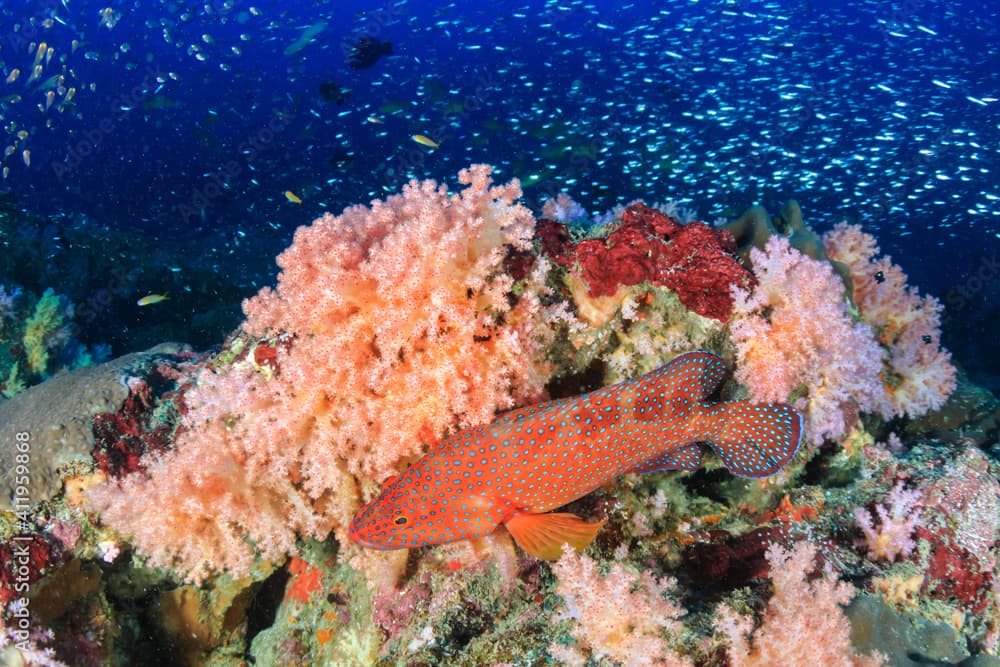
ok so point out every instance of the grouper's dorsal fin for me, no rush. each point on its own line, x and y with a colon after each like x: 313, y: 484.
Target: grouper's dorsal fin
x: 693, y: 375
x: 674, y: 389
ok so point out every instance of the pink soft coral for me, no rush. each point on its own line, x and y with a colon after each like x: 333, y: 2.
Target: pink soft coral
x: 803, y: 623
x: 795, y: 339
x: 898, y: 518
x: 390, y: 326
x: 919, y: 373
x: 621, y: 615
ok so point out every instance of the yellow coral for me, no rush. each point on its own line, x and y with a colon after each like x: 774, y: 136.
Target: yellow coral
x: 46, y: 320
x: 14, y: 384
x: 898, y: 589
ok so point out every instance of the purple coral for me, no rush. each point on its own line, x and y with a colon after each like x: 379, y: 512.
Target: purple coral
x: 7, y: 304
x: 898, y: 518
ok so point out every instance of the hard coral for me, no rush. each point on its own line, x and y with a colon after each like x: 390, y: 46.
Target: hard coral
x: 694, y: 260
x: 399, y: 324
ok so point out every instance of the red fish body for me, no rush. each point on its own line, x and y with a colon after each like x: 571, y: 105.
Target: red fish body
x: 537, y: 458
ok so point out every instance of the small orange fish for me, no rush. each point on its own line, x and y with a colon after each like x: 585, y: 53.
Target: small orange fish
x: 292, y: 197
x: 535, y: 459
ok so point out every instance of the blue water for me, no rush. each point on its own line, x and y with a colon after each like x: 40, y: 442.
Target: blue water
x: 190, y: 121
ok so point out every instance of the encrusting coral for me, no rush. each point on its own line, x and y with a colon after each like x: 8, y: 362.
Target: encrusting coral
x: 694, y: 260
x: 390, y: 325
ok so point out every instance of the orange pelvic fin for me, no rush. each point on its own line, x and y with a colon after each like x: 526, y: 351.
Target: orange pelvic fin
x: 543, y: 535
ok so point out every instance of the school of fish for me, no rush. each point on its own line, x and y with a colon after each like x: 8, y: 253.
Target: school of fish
x: 859, y: 110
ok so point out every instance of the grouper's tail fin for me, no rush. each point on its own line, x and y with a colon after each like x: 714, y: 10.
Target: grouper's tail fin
x: 754, y: 439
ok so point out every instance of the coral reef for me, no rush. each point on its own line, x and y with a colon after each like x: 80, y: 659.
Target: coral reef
x: 619, y: 616
x: 42, y: 330
x: 755, y: 227
x: 803, y: 621
x: 193, y: 509
x: 918, y: 375
x: 58, y: 415
x: 36, y: 339
x: 898, y: 518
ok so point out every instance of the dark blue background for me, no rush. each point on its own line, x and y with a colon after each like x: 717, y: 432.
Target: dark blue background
x: 582, y: 97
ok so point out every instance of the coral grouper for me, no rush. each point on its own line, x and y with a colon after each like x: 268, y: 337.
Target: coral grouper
x: 537, y: 458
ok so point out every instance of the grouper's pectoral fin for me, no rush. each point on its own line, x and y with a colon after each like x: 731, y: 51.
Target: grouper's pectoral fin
x: 542, y: 535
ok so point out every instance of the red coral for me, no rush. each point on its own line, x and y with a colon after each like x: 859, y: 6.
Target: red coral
x: 555, y: 240
x: 654, y: 221
x: 121, y: 438
x: 954, y: 574
x: 627, y: 256
x: 265, y: 352
x: 790, y: 513
x: 266, y: 355
x: 694, y: 260
x: 723, y: 561
x: 145, y: 423
x: 961, y: 519
x: 23, y: 561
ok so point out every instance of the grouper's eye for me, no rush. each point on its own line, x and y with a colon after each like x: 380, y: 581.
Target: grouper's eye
x: 400, y: 520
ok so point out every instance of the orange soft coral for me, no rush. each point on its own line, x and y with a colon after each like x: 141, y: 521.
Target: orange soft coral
x: 399, y: 323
